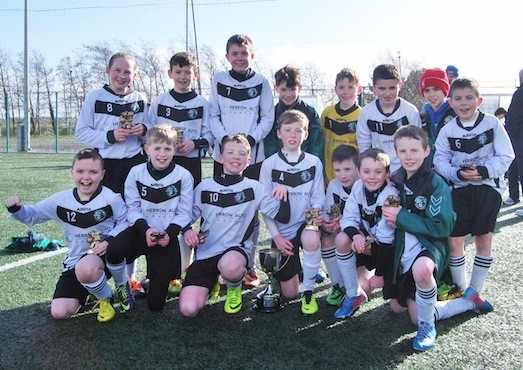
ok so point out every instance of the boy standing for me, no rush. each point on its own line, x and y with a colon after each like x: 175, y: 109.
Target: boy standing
x: 187, y: 112
x: 366, y: 233
x: 159, y: 197
x: 85, y: 209
x: 296, y: 177
x: 288, y: 87
x: 345, y: 159
x: 436, y: 112
x: 241, y: 101
x: 473, y: 152
x: 227, y: 205
x: 339, y: 120
x: 379, y: 120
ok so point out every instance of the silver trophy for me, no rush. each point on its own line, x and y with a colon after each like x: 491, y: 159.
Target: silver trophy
x: 268, y: 300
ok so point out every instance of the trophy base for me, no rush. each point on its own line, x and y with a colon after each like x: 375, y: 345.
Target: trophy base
x: 267, y: 303
x: 312, y: 227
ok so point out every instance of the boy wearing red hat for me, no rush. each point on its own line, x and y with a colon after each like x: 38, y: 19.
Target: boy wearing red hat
x: 436, y: 112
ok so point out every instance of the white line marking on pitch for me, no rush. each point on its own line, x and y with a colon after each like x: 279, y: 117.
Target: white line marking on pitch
x: 29, y: 260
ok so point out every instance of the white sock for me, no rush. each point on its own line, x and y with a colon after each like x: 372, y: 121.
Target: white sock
x: 458, y: 269
x: 311, y: 266
x: 131, y: 269
x: 119, y: 272
x: 331, y: 262
x: 349, y: 273
x: 254, y: 238
x: 480, y: 271
x: 186, y: 253
x: 425, y: 302
x: 100, y: 289
x: 446, y: 309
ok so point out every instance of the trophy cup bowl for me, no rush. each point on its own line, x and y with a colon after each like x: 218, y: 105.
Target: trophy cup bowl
x: 310, y: 215
x: 268, y: 300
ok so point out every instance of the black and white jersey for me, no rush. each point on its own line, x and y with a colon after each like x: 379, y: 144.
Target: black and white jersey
x: 363, y: 212
x: 304, y: 183
x: 376, y: 129
x: 336, y: 194
x: 101, y: 113
x: 241, y: 107
x: 161, y: 198
x: 189, y: 112
x: 486, y: 144
x: 227, y: 206
x: 105, y: 212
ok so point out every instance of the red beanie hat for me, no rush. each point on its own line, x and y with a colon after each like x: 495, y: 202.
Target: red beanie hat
x: 434, y: 77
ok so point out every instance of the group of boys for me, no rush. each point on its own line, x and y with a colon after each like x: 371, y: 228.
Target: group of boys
x: 373, y: 230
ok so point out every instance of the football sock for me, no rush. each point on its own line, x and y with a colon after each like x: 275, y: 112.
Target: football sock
x: 100, y: 289
x: 119, y: 272
x: 458, y: 270
x: 446, y: 309
x: 425, y: 302
x: 480, y: 271
x: 331, y: 262
x: 349, y: 273
x: 186, y: 253
x: 311, y: 266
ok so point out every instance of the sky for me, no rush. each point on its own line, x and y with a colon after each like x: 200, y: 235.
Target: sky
x: 482, y: 38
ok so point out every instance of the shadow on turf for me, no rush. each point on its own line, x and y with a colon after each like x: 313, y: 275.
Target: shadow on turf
x: 373, y: 337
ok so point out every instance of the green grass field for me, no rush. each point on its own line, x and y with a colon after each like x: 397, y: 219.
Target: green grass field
x: 373, y: 338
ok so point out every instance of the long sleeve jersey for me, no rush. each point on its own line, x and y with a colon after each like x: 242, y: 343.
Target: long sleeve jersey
x: 105, y: 212
x: 242, y: 105
x: 227, y: 205
x: 100, y: 116
x: 485, y: 144
x: 304, y: 183
x: 376, y: 129
x: 159, y: 199
x: 189, y: 112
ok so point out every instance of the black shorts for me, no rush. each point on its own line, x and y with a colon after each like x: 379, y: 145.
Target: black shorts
x: 405, y: 287
x: 116, y: 171
x: 193, y: 165
x: 68, y: 285
x: 205, y: 272
x: 370, y: 263
x: 251, y: 172
x: 477, y: 209
x: 290, y: 266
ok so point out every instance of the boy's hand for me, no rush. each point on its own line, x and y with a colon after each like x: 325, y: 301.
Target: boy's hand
x: 331, y: 226
x: 191, y: 238
x: 470, y: 175
x: 185, y: 147
x: 121, y: 134
x: 279, y: 192
x: 283, y: 245
x: 137, y: 129
x: 155, y: 237
x: 100, y: 248
x: 390, y: 214
x: 358, y: 243
x: 13, y: 201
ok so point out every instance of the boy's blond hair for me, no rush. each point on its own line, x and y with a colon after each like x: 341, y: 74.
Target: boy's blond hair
x: 161, y: 133
x: 349, y: 74
x: 291, y: 116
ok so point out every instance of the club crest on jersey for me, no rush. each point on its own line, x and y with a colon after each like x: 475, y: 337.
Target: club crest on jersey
x: 482, y: 139
x: 352, y: 126
x: 252, y: 92
x: 192, y: 113
x: 305, y: 176
x: 135, y: 107
x: 239, y: 197
x: 447, y: 119
x: 171, y: 191
x: 100, y: 215
x: 420, y: 202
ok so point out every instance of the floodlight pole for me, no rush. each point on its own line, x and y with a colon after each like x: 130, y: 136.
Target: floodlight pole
x: 25, y: 142
x: 399, y: 61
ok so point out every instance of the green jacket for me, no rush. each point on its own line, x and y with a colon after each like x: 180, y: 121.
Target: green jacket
x: 427, y: 214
